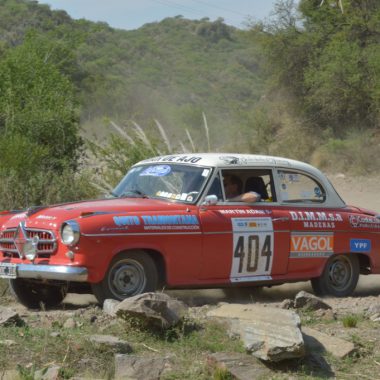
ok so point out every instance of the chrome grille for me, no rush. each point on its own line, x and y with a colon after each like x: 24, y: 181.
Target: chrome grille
x: 47, y: 243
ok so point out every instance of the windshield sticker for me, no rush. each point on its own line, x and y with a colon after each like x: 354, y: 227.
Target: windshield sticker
x: 205, y: 172
x: 156, y: 171
x: 189, y: 198
x: 292, y: 177
x: 183, y: 196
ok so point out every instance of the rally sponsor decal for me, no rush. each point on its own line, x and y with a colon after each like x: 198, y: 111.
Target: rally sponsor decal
x: 126, y: 220
x: 358, y: 221
x: 245, y: 212
x: 170, y: 222
x: 316, y: 219
x: 252, y: 249
x: 18, y: 216
x: 360, y: 245
x: 46, y: 217
x: 158, y: 222
x: 187, y: 159
x: 311, y: 245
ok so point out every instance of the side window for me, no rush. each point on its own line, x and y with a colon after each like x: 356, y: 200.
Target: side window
x: 241, y: 181
x: 299, y: 188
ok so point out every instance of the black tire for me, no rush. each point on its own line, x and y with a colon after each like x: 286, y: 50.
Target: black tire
x: 339, y: 278
x: 129, y: 274
x: 36, y: 295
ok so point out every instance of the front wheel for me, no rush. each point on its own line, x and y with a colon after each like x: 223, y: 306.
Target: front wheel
x: 36, y: 295
x: 339, y: 278
x: 129, y: 274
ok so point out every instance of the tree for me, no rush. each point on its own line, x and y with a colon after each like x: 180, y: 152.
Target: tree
x: 38, y: 102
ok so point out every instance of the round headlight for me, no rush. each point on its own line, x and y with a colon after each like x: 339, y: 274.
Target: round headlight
x: 70, y: 232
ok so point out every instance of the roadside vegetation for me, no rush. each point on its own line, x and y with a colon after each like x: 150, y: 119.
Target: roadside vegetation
x: 303, y: 84
x: 45, y: 338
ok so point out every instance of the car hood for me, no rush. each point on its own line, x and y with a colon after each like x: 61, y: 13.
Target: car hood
x: 51, y: 217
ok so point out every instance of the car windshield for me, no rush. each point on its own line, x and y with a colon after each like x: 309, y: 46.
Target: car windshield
x: 181, y: 183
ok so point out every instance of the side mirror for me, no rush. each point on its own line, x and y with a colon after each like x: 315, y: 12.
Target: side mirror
x: 210, y: 200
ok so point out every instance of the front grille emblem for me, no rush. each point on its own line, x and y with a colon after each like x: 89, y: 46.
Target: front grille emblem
x: 23, y: 244
x: 20, y: 239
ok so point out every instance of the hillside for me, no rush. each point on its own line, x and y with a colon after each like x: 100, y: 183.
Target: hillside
x: 171, y: 71
x: 305, y: 84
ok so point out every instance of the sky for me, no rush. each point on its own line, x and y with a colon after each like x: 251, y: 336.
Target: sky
x: 131, y: 14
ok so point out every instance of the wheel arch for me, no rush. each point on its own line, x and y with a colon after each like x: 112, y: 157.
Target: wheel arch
x: 365, y: 263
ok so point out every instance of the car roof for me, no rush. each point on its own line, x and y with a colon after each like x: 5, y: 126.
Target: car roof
x: 231, y: 160
x: 238, y: 160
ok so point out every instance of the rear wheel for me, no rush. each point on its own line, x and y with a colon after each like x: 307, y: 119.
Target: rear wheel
x: 36, y: 295
x: 339, y: 278
x: 129, y: 274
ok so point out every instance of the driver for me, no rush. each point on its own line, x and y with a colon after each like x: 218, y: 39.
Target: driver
x: 233, y: 190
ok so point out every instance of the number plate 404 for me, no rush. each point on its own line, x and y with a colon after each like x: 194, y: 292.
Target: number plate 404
x: 8, y: 270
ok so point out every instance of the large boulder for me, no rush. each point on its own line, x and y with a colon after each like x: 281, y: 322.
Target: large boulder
x: 270, y: 334
x: 153, y: 309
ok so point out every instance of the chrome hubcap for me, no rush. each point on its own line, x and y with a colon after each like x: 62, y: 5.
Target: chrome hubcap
x: 127, y: 278
x: 340, y: 273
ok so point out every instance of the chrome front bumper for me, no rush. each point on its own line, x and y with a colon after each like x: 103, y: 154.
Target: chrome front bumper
x: 50, y: 272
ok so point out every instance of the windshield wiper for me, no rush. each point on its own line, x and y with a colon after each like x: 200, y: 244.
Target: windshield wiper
x: 133, y: 193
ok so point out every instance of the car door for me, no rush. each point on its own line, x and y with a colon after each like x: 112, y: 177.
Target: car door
x: 312, y: 224
x: 244, y: 242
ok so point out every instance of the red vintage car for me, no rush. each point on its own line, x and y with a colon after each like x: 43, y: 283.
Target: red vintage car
x: 172, y: 222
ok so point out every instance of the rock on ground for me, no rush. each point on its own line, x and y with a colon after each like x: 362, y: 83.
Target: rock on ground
x: 239, y: 366
x: 116, y: 344
x: 131, y: 367
x: 318, y: 341
x: 9, y: 317
x: 156, y: 309
x: 270, y: 334
x: 306, y: 300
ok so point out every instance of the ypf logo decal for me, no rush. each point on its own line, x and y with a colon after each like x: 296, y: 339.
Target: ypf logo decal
x: 360, y: 245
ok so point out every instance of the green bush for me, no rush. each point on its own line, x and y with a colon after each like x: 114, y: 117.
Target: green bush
x: 43, y: 188
x: 355, y: 153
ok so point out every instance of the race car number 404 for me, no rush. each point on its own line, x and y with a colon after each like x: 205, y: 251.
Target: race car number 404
x: 202, y: 220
